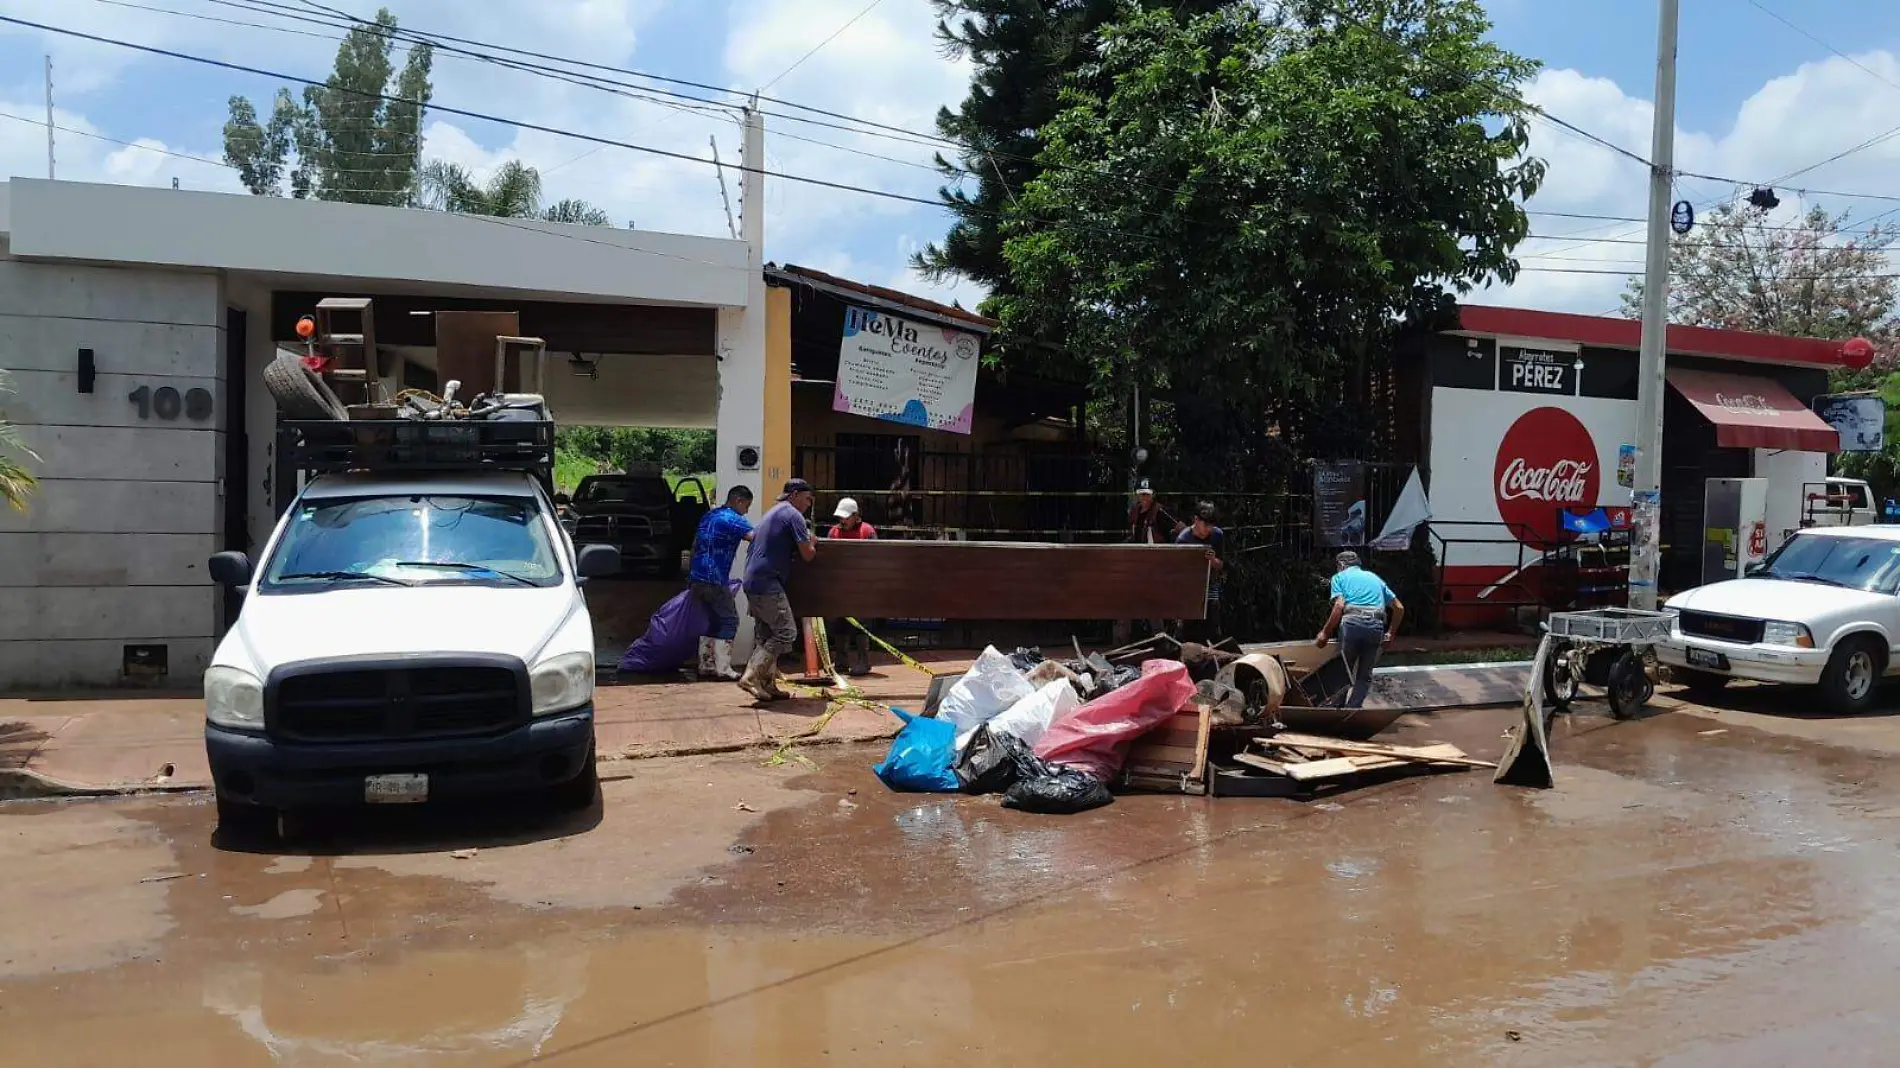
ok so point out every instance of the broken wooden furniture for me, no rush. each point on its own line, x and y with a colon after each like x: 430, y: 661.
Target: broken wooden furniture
x: 1000, y: 580
x: 1309, y: 760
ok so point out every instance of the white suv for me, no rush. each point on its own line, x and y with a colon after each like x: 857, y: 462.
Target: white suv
x: 1822, y: 610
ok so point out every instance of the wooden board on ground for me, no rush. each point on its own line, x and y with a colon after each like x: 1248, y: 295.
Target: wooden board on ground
x: 1000, y: 580
x: 1440, y: 753
x: 1172, y: 758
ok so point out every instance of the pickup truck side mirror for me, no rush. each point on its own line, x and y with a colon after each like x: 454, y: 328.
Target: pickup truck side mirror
x: 1754, y: 569
x: 598, y: 561
x: 230, y: 569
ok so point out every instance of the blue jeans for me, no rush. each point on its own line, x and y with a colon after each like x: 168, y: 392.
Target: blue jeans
x: 1360, y: 641
x: 717, y: 597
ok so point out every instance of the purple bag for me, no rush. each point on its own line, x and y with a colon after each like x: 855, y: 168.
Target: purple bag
x: 672, y: 636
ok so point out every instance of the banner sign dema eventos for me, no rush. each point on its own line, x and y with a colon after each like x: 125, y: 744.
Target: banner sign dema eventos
x: 906, y: 372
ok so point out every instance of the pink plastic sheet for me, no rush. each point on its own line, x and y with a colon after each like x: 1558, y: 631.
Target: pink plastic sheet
x: 1095, y: 738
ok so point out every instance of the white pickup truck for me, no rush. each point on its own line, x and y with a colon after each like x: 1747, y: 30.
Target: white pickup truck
x: 1823, y: 610
x: 413, y: 631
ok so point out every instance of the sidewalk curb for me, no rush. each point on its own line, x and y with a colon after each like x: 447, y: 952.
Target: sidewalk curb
x: 22, y: 784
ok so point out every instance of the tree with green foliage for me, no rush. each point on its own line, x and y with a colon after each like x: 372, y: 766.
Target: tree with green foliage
x: 356, y: 138
x: 1235, y: 211
x: 1023, y: 54
x: 512, y: 192
x: 16, y: 482
x: 584, y: 450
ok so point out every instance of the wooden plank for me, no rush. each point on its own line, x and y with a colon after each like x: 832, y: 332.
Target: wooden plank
x: 1000, y: 580
x: 1263, y: 764
x: 1164, y: 754
x: 1441, y: 753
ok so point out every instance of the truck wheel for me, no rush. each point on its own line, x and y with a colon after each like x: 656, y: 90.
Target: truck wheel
x: 1851, y: 679
x: 300, y: 393
x: 577, y: 793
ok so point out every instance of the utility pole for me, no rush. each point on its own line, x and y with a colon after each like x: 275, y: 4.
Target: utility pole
x: 49, y: 118
x: 1651, y: 380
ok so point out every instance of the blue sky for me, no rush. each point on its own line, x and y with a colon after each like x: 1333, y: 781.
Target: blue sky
x: 1757, y: 99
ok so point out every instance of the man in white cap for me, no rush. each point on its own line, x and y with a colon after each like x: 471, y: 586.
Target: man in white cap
x: 845, y: 637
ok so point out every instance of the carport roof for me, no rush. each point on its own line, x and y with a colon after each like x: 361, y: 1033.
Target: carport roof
x: 1615, y: 333
x: 318, y: 241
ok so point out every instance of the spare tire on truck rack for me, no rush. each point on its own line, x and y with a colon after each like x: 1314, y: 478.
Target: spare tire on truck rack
x: 301, y: 393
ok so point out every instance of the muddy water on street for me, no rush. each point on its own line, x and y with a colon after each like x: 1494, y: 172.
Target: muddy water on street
x: 1682, y: 899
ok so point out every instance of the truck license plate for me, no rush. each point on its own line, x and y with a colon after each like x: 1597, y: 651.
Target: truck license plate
x: 1708, y: 658
x: 395, y: 789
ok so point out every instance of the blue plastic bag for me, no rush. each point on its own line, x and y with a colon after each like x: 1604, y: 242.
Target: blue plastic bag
x: 920, y: 756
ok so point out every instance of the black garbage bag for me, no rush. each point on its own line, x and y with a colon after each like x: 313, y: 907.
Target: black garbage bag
x: 1059, y: 790
x: 1025, y: 660
x: 993, y: 762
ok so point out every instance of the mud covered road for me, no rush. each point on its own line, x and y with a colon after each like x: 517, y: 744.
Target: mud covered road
x: 1684, y: 898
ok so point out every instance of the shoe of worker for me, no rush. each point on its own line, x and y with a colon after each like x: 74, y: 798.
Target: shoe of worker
x: 722, y: 661
x: 751, y: 684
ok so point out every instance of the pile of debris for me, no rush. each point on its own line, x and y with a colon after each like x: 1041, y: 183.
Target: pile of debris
x: 1055, y: 735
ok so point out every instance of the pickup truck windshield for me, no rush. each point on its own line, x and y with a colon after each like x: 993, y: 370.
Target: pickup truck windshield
x: 1870, y: 564
x: 429, y: 540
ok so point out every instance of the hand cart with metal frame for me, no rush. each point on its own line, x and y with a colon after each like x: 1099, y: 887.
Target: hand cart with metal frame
x: 1608, y: 648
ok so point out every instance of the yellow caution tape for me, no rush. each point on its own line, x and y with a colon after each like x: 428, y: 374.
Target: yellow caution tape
x: 907, y: 661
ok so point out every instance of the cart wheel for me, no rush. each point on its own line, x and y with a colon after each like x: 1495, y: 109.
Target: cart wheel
x: 1560, y: 682
x: 1629, y: 687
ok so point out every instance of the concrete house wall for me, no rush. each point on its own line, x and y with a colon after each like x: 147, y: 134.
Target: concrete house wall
x: 112, y: 552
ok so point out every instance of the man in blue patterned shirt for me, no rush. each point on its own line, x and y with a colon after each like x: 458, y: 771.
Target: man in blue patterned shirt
x: 714, y: 546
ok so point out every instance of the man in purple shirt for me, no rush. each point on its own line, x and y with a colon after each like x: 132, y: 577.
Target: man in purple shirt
x: 780, y: 535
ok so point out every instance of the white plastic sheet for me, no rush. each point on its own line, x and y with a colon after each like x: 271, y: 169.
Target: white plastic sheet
x: 1030, y: 717
x: 989, y: 688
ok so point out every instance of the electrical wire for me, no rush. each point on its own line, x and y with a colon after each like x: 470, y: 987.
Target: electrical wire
x: 820, y: 46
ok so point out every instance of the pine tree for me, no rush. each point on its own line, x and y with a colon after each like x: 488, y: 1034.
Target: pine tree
x: 1023, y: 50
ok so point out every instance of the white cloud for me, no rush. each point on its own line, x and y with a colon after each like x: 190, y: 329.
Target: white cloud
x: 82, y: 155
x: 1790, y: 124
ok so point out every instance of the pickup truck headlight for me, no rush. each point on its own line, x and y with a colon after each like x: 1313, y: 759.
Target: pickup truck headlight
x: 234, y: 698
x: 562, y: 682
x: 1777, y: 633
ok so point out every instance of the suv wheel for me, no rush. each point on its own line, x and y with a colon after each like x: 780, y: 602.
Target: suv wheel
x: 1851, y: 679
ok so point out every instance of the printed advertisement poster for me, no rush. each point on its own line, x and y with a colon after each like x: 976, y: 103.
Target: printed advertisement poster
x: 906, y: 372
x: 1861, y: 421
x: 1339, y: 502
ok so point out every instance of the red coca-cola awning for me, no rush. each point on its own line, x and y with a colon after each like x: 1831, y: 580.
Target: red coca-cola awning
x: 1754, y: 413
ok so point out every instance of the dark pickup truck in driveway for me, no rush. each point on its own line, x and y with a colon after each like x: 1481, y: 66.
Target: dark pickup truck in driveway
x: 640, y: 515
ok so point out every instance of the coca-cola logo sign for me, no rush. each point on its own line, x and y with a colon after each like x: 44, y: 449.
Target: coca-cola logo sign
x: 1546, y: 462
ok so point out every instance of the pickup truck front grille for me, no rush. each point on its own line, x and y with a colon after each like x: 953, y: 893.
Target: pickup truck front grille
x: 317, y: 702
x: 1737, y: 629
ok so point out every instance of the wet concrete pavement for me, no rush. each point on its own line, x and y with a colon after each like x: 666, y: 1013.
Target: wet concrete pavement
x: 1683, y: 898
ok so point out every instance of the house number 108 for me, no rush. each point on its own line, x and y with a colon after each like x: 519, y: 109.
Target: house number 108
x: 167, y: 403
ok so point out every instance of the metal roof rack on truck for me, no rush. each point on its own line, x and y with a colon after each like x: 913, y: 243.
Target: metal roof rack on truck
x: 411, y: 446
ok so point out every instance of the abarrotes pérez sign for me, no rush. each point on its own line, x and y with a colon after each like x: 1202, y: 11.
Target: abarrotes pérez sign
x: 906, y: 372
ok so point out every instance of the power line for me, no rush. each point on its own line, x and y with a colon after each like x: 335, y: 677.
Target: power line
x: 525, y: 125
x: 116, y: 141
x: 820, y: 46
x: 1778, y: 17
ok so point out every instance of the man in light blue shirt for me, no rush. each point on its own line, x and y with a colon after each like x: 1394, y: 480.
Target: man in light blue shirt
x: 1366, y: 615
